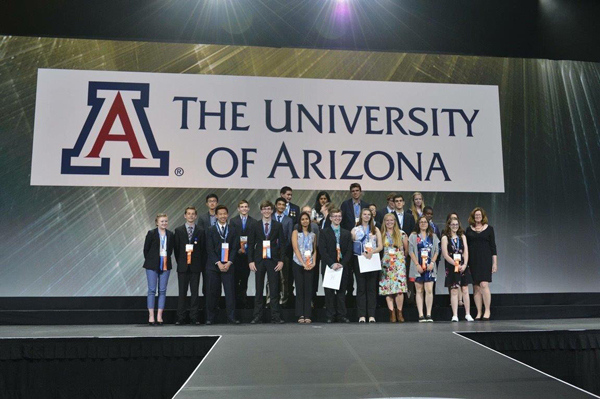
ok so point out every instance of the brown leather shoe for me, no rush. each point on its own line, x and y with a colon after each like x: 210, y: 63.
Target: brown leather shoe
x: 399, y: 316
x: 392, y: 316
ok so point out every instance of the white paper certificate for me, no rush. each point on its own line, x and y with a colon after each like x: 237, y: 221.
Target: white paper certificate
x: 369, y: 265
x: 332, y: 278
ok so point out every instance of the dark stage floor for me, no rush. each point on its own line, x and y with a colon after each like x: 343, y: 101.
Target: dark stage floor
x: 350, y: 360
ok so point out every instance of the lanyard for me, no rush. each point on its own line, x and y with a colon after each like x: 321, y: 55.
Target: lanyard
x: 223, y: 233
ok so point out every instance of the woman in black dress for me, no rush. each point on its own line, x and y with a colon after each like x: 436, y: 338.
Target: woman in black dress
x: 458, y: 276
x: 483, y: 260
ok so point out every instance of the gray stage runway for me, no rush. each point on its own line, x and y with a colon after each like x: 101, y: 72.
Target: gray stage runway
x: 349, y: 361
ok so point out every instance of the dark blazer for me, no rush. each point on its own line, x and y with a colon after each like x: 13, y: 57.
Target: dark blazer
x: 204, y: 221
x: 152, y: 250
x: 257, y: 235
x: 408, y: 222
x: 237, y: 223
x: 181, y: 239
x: 287, y: 224
x: 347, y: 209
x: 379, y: 218
x: 328, y: 250
x: 213, y: 246
x: 294, y: 213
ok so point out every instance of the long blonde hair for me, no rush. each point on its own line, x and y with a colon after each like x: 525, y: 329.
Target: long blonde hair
x: 396, y: 234
x: 413, y: 208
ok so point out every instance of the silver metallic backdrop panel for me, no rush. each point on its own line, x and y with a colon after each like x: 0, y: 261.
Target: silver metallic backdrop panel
x: 74, y: 241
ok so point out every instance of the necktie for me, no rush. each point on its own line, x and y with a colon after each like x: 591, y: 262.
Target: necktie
x: 279, y: 218
x: 266, y: 229
x: 190, y: 231
x: 244, y: 224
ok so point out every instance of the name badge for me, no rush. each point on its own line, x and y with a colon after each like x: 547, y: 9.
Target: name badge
x: 243, y: 239
x: 368, y: 247
x: 225, y: 252
x: 457, y: 257
x: 356, y: 220
x: 424, y: 253
x: 189, y: 247
x: 163, y: 252
x: 266, y: 249
x: 339, y: 252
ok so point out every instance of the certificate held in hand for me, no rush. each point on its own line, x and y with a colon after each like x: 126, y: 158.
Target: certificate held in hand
x: 332, y: 278
x: 369, y: 265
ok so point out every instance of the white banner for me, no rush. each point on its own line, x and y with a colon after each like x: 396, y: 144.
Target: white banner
x: 133, y: 129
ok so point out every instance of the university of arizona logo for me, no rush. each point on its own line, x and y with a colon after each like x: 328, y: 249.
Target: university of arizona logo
x: 137, y: 148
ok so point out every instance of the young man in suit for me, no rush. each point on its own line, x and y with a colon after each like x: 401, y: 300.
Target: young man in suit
x: 291, y: 210
x: 210, y: 218
x: 406, y: 221
x: 189, y: 245
x: 242, y: 224
x: 221, y: 239
x: 265, y: 256
x: 286, y: 278
x: 335, y: 247
x: 204, y: 222
x: 390, y: 206
x: 351, y: 209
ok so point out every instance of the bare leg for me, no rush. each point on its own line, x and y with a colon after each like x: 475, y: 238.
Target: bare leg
x: 159, y: 315
x: 389, y: 299
x: 478, y: 300
x: 466, y: 300
x: 419, y: 298
x: 454, y: 301
x: 429, y: 296
x: 150, y: 315
x: 487, y: 297
x: 399, y: 301
x: 460, y: 297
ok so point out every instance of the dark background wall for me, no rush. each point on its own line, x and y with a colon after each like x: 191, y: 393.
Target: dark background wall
x: 552, y: 29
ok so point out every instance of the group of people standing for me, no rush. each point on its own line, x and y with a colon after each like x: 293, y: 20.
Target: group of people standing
x: 288, y: 244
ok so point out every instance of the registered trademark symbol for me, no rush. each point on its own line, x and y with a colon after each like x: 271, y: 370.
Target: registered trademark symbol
x: 179, y: 171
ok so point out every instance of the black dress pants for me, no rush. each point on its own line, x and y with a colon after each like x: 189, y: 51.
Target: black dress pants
x: 335, y: 301
x: 366, y: 291
x: 215, y: 279
x: 192, y: 280
x: 304, y: 289
x: 266, y: 266
x: 242, y: 274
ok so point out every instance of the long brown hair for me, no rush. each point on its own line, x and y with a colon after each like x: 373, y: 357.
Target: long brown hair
x: 448, y: 231
x: 484, y: 218
x: 371, y: 221
x: 417, y: 229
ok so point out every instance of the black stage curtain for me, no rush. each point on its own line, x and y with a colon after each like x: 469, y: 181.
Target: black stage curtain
x: 572, y: 356
x: 140, y: 367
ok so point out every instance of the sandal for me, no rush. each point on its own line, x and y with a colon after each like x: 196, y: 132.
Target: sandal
x: 307, y: 321
x: 301, y: 320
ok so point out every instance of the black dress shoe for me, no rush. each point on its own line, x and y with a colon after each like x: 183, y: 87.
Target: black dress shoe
x: 159, y: 323
x: 256, y: 320
x: 151, y: 323
x: 180, y: 322
x: 233, y: 322
x: 329, y: 321
x: 195, y: 322
x: 344, y: 320
x: 209, y: 323
x: 277, y: 320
